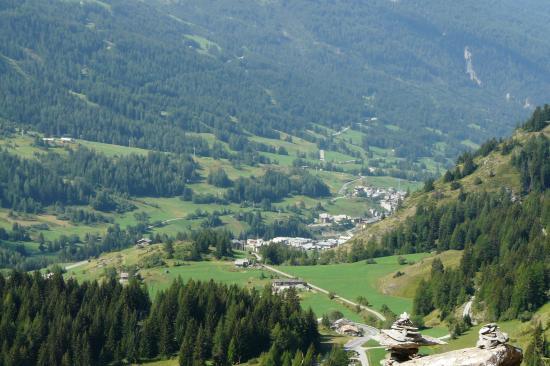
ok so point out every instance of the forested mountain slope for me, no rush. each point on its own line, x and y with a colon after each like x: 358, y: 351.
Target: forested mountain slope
x: 144, y: 73
x: 491, y: 169
x: 495, y: 207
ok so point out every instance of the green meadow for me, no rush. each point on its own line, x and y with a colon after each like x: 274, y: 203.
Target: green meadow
x: 351, y: 280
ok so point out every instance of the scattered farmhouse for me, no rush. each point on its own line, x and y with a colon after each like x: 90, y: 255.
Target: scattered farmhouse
x: 242, y: 263
x: 255, y: 244
x: 143, y: 242
x: 346, y: 327
x: 288, y: 283
x: 388, y: 199
x: 58, y: 141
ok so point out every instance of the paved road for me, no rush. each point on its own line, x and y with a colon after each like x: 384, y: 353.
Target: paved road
x: 345, y: 186
x: 322, y: 290
x: 356, y: 344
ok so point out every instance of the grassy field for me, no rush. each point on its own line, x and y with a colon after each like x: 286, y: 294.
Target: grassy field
x: 351, y: 280
x: 405, y: 285
x: 375, y: 355
x: 331, y: 277
x: 321, y: 304
x: 159, y: 278
x: 169, y: 362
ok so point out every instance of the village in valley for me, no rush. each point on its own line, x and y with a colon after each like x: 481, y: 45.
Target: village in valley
x: 335, y: 230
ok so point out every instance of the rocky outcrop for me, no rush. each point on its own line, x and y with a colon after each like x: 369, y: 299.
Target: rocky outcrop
x: 403, y: 341
x: 501, y: 355
x: 490, y: 337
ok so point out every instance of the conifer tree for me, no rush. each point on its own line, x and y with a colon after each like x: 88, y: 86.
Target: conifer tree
x: 537, y: 349
x: 309, y: 358
x: 298, y: 358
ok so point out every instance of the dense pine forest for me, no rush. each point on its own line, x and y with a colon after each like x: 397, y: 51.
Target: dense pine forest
x: 57, y: 322
x: 150, y: 74
x: 83, y: 176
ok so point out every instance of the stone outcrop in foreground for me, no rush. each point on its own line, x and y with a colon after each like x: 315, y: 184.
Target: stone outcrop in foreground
x: 502, y: 355
x: 403, y: 342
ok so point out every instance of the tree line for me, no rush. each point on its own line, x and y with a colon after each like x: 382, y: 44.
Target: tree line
x: 274, y: 186
x: 61, y: 322
x: 84, y: 176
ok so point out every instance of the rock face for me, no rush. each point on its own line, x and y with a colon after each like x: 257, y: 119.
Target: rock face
x: 501, y: 355
x: 492, y: 350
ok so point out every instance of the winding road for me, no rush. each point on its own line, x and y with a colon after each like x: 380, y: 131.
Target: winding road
x: 356, y: 344
x: 322, y: 290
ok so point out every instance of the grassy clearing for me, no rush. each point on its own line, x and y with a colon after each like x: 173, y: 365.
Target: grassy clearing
x: 112, y: 150
x: 159, y: 278
x: 375, y: 355
x: 356, y: 137
x: 353, y: 206
x: 297, y: 144
x: 405, y: 285
x: 220, y: 271
x: 519, y: 332
x: 321, y: 304
x: 351, y: 280
x: 21, y: 146
x: 391, y: 182
x: 170, y: 362
x: 205, y: 44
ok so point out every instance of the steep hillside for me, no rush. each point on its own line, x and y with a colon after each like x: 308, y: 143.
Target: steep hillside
x: 435, y: 78
x: 489, y: 219
x: 494, y: 172
x: 494, y: 207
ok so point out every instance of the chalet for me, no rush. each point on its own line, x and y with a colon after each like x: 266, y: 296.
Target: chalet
x: 143, y: 242
x: 255, y: 244
x: 242, y: 263
x: 288, y: 283
x: 67, y: 140
x: 341, y: 218
x: 346, y: 327
x: 325, y: 218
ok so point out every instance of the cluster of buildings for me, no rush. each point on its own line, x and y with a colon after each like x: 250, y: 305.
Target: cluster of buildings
x: 282, y: 285
x: 327, y: 219
x: 387, y: 198
x: 58, y: 140
x: 298, y: 243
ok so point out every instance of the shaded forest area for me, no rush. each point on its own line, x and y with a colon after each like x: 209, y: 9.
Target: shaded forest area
x: 57, y: 322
